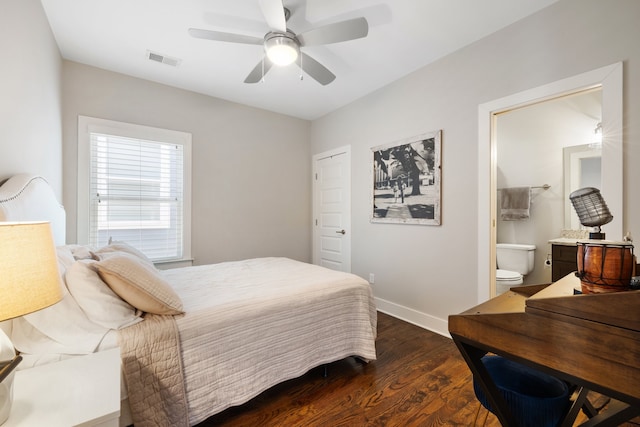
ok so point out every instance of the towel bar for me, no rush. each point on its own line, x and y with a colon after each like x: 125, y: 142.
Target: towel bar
x: 544, y: 187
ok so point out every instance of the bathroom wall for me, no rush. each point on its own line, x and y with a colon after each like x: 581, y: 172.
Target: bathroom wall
x: 530, y: 145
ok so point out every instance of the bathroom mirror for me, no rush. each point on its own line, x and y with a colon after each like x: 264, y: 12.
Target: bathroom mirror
x: 582, y: 168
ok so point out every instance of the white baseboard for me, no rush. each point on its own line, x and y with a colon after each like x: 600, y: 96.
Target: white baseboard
x: 415, y: 317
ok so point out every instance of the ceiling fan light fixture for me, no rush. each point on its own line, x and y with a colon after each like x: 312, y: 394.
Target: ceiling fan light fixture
x: 281, y: 48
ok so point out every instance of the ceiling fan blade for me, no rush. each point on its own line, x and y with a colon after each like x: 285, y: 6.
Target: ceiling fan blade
x: 334, y: 33
x: 273, y: 12
x: 316, y: 70
x: 237, y: 23
x: 258, y: 71
x: 224, y: 37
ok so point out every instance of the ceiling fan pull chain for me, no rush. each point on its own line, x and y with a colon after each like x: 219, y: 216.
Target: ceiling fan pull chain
x: 301, y: 75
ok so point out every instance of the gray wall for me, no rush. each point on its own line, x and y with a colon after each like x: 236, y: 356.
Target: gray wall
x: 30, y: 99
x: 425, y: 273
x: 251, y: 168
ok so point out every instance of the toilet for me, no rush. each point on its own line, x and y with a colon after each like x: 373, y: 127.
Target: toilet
x: 514, y: 262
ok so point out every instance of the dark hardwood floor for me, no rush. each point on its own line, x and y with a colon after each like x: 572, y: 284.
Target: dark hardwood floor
x: 419, y: 379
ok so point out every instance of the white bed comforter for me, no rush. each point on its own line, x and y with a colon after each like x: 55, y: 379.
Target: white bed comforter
x: 252, y: 324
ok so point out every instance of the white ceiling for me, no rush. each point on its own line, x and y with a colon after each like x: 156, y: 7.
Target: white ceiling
x: 404, y: 35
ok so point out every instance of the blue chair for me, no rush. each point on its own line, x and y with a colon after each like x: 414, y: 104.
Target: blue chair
x: 534, y: 398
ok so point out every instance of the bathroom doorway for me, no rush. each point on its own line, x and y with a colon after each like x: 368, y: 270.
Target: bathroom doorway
x: 609, y: 80
x: 530, y: 145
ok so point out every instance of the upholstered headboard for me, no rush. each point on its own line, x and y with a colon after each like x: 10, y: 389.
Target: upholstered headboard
x: 25, y: 197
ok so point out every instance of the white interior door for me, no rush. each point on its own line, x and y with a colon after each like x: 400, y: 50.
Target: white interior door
x: 332, y: 209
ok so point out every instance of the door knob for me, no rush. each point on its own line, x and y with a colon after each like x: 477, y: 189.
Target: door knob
x: 341, y: 232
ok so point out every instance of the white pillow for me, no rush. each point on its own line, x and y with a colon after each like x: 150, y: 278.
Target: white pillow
x: 97, y: 300
x: 81, y: 252
x: 60, y: 328
x: 65, y: 258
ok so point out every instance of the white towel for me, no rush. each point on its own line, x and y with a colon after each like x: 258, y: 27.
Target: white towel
x: 515, y: 204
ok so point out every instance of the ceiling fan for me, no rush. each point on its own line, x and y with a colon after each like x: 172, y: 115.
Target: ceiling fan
x: 282, y: 46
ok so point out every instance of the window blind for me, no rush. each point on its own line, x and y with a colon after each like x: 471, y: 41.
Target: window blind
x: 137, y: 194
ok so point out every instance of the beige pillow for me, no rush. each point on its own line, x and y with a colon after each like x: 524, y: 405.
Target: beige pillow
x: 117, y: 247
x: 139, y: 283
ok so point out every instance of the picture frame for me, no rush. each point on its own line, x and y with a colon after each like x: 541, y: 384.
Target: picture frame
x: 406, y: 180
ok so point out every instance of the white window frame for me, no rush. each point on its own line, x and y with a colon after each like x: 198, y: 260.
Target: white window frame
x: 88, y: 125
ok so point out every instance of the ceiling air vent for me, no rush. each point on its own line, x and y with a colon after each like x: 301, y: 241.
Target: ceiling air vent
x: 163, y: 59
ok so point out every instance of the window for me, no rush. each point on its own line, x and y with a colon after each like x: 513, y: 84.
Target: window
x: 133, y: 186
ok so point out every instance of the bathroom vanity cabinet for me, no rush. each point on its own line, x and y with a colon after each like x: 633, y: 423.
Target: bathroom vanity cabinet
x: 563, y: 260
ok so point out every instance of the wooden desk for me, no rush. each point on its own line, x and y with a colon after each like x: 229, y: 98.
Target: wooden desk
x: 592, y: 341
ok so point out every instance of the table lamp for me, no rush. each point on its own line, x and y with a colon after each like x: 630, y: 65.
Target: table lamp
x: 591, y: 209
x: 29, y: 281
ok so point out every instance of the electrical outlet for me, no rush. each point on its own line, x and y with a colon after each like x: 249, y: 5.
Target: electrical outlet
x: 372, y: 278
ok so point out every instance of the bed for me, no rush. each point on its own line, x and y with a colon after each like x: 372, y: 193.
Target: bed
x: 194, y: 340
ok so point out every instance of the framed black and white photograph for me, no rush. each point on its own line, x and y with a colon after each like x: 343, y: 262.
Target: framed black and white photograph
x: 406, y: 181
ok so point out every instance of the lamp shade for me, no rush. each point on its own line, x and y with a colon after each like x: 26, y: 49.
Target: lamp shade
x: 29, y: 275
x: 590, y: 207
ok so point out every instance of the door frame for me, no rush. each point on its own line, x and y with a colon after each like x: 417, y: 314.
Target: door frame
x: 315, y: 240
x: 610, y: 79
